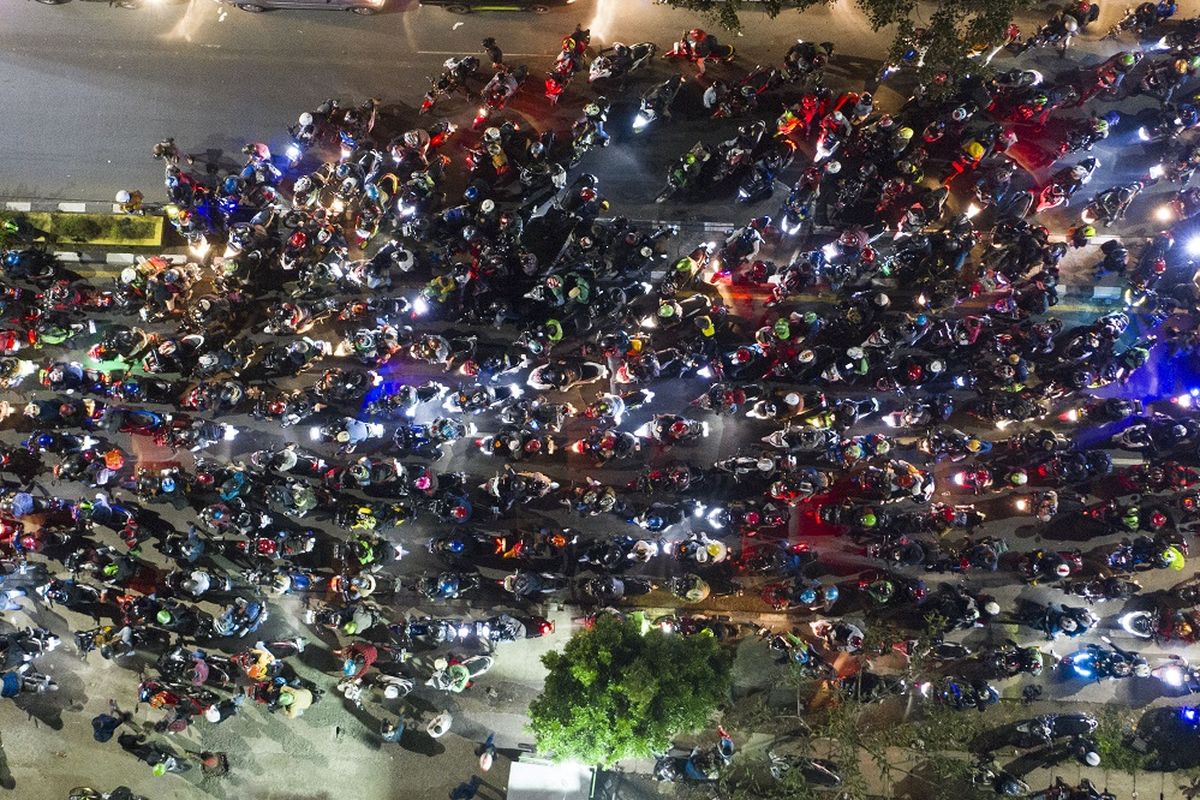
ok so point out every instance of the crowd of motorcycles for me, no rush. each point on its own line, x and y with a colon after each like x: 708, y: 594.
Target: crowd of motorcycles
x: 405, y: 307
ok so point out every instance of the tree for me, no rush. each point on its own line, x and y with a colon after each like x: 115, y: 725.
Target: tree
x: 950, y: 29
x: 613, y: 693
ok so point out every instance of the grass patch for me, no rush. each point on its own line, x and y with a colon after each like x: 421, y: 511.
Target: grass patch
x: 98, y: 229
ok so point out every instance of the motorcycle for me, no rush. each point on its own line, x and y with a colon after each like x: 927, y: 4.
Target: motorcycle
x: 498, y: 91
x: 1098, y: 590
x: 618, y: 61
x: 1064, y: 184
x: 516, y: 443
x: 1096, y: 663
x: 656, y: 103
x: 561, y: 377
x: 1109, y: 206
x: 456, y: 675
x: 759, y: 184
x: 671, y: 429
x: 1043, y: 730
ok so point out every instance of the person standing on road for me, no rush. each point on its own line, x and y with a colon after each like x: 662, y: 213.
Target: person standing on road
x: 494, y: 53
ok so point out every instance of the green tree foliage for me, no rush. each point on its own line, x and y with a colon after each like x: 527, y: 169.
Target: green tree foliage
x: 613, y: 693
x: 952, y: 27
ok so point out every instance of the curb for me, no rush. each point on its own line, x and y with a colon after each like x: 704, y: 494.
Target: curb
x: 70, y: 206
x: 101, y: 263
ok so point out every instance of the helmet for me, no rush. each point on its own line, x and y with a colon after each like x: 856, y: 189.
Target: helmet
x: 122, y: 197
x: 349, y: 667
x: 1071, y: 24
x: 833, y: 167
x: 591, y: 110
x: 991, y: 608
x: 163, y: 617
x: 696, y: 34
x: 306, y: 119
x: 904, y: 133
x: 1062, y: 571
x: 868, y: 520
x: 1018, y: 478
x: 110, y: 570
x: 959, y: 114
x: 491, y: 135
x: 1127, y: 59
x: 974, y: 445
x: 1113, y: 117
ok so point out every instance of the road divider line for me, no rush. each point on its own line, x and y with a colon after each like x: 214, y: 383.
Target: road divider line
x: 17, y: 205
x: 73, y: 208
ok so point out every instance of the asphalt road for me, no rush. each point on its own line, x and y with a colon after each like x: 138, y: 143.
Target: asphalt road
x: 96, y: 87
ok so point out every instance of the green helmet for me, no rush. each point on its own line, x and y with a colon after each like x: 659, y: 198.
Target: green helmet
x: 868, y: 520
x: 1127, y: 60
x: 164, y: 617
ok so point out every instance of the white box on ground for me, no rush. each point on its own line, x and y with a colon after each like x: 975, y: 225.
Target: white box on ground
x: 538, y: 780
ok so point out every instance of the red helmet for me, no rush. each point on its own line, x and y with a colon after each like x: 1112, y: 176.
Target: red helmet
x: 696, y: 35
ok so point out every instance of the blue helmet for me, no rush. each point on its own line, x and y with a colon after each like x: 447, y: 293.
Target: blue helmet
x: 349, y: 667
x: 831, y: 594
x: 230, y: 185
x: 471, y: 194
x: 457, y: 545
x: 1112, y: 117
x: 12, y: 258
x: 808, y: 596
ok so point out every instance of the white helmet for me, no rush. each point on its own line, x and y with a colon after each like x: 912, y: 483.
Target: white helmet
x: 491, y: 134
x: 991, y: 608
x: 122, y: 196
x: 129, y: 275
x: 306, y: 119
x: 487, y: 206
